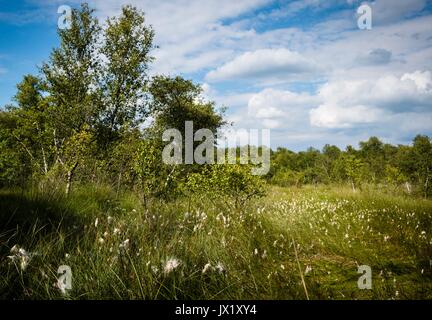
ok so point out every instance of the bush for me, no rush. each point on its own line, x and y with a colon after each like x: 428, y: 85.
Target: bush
x: 233, y: 183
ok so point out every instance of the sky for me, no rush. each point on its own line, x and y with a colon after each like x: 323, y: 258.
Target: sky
x: 303, y: 69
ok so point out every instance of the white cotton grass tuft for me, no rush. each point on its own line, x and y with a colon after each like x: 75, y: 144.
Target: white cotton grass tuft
x: 20, y: 256
x: 206, y: 268
x: 308, y: 269
x: 124, y: 245
x: 220, y: 268
x: 171, y: 265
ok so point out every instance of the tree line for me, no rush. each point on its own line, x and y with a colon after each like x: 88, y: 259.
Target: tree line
x: 406, y: 167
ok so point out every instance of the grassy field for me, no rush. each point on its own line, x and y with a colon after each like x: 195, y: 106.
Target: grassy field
x: 291, y: 244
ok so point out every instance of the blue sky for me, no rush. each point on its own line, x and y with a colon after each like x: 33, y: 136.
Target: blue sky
x: 301, y: 68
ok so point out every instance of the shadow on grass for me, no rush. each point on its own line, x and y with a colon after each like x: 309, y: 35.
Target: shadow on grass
x: 26, y: 217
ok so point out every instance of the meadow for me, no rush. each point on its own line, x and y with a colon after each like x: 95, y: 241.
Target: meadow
x: 294, y: 243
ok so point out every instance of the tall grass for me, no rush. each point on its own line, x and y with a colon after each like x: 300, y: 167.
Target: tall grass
x: 195, y: 249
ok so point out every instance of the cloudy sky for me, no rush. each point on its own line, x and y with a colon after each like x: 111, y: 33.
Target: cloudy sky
x: 303, y: 69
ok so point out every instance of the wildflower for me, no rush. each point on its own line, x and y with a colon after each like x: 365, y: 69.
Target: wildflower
x: 101, y: 240
x: 256, y: 251
x: 282, y: 267
x: 110, y: 219
x: 206, y: 268
x: 96, y: 222
x: 106, y: 234
x: 170, y: 265
x: 116, y: 231
x: 264, y: 255
x: 67, y: 255
x: 154, y: 269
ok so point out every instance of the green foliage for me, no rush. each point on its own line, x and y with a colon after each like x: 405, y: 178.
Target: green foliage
x: 422, y: 153
x: 286, y: 177
x: 234, y: 183
x: 177, y: 100
x: 374, y: 162
x: 394, y: 176
x: 123, y: 79
x: 156, y: 179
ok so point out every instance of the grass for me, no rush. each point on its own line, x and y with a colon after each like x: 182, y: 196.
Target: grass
x: 291, y: 243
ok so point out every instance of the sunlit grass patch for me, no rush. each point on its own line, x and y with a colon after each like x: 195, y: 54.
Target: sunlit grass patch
x: 291, y: 244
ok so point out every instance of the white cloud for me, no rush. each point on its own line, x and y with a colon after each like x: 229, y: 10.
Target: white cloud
x: 335, y: 116
x: 263, y: 63
x: 189, y: 32
x: 279, y: 105
x: 386, y: 11
x: 348, y: 103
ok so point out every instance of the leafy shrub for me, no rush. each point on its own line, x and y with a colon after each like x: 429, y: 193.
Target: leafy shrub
x: 232, y: 183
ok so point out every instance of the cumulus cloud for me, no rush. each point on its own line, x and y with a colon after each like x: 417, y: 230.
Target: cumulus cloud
x: 335, y: 116
x: 271, y: 108
x: 344, y: 104
x: 263, y: 63
x: 348, y: 103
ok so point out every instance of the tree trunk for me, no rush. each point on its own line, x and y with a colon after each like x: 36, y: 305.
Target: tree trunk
x: 408, y: 187
x: 353, y: 186
x: 69, y: 177
x: 44, y: 161
x: 119, y: 181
